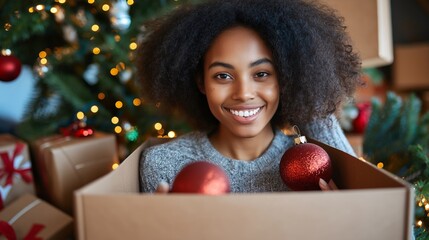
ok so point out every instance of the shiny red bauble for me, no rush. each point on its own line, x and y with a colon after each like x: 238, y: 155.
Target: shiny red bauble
x: 362, y: 119
x: 201, y: 177
x: 10, y: 68
x: 303, y: 165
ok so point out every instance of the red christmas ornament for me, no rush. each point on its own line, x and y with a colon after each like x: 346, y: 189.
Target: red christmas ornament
x: 304, y: 164
x: 10, y: 68
x: 201, y: 177
x: 362, y: 119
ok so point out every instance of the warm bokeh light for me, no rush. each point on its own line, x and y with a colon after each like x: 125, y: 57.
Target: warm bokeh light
x: 117, y: 38
x: 42, y: 54
x: 53, y: 10
x: 62, y: 1
x: 114, y: 71
x: 130, y: 2
x: 137, y: 102
x: 115, y: 166
x: 118, y: 129
x: 114, y: 120
x: 96, y: 50
x: 94, y: 109
x: 133, y: 46
x: 43, y: 61
x: 91, y: 1
x: 101, y: 96
x: 380, y: 165
x: 80, y: 115
x: 40, y: 7
x: 158, y: 126
x: 95, y: 28
x: 119, y: 104
x: 31, y: 10
x: 171, y: 134
x: 105, y: 7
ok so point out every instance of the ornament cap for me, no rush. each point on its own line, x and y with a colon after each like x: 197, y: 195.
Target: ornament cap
x: 300, y: 140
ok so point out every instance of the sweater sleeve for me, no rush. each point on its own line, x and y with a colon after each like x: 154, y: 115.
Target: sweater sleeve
x: 328, y: 131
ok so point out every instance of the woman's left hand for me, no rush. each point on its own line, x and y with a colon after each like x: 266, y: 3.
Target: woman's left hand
x: 324, y: 186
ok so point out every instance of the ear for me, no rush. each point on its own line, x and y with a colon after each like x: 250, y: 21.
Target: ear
x: 200, y: 84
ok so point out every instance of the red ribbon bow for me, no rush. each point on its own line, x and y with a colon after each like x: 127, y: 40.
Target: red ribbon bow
x: 7, y: 230
x: 9, y: 169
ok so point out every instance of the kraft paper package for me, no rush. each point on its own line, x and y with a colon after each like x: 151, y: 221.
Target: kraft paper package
x: 67, y: 163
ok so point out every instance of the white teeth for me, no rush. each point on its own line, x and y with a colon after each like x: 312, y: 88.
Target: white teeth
x: 245, y: 113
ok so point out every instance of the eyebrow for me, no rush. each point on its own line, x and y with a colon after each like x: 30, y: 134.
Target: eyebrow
x: 226, y: 65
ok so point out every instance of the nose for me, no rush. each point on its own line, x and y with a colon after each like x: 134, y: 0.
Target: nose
x: 244, y: 89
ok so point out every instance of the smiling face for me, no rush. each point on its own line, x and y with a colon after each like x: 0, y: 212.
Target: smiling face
x: 240, y: 83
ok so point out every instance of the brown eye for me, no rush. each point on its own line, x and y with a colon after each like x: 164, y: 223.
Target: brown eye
x: 222, y: 76
x: 261, y: 74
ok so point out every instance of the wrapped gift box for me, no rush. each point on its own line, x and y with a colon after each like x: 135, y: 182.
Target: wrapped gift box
x: 67, y: 163
x: 372, y: 204
x: 370, y: 27
x: 28, y: 211
x: 410, y: 69
x: 16, y: 177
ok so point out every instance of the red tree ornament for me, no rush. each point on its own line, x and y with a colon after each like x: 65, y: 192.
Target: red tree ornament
x: 201, y: 177
x: 362, y: 119
x: 10, y: 68
x: 302, y: 166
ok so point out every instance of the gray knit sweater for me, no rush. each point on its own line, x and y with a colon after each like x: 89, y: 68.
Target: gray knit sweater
x: 163, y: 162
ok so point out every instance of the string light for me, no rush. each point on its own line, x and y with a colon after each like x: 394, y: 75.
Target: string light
x: 158, y: 126
x: 30, y: 9
x: 7, y: 26
x: 115, y: 166
x: 101, y: 96
x: 94, y: 109
x: 380, y: 165
x: 137, y: 102
x: 114, y: 71
x: 118, y: 129
x: 62, y: 1
x: 133, y: 46
x: 95, y: 28
x: 43, y: 61
x: 42, y: 54
x: 40, y: 7
x: 130, y: 2
x: 80, y: 115
x: 53, y: 10
x: 171, y: 134
x: 117, y: 38
x: 91, y: 1
x: 96, y: 51
x: 115, y: 120
x: 119, y: 104
x: 105, y: 7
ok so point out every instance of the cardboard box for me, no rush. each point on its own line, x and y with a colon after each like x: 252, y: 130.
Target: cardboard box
x: 16, y: 176
x: 370, y: 27
x: 28, y: 210
x: 373, y: 205
x: 410, y: 69
x: 67, y: 163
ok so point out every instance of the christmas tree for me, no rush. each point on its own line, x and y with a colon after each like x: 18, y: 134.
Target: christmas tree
x: 81, y: 54
x: 397, y: 140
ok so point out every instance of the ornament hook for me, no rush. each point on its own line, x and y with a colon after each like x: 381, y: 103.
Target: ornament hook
x: 298, y: 138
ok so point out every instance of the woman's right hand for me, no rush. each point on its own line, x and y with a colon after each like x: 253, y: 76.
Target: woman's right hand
x: 162, y: 188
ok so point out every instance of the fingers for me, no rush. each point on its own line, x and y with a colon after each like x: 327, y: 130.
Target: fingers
x: 324, y: 186
x: 162, y: 188
x: 332, y: 185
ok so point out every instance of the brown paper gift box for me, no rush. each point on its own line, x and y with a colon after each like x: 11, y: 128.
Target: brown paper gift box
x: 373, y: 204
x: 18, y: 185
x: 411, y: 67
x: 369, y: 25
x: 66, y: 164
x: 28, y: 210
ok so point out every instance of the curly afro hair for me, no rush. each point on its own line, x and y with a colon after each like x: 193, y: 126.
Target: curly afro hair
x: 316, y: 66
